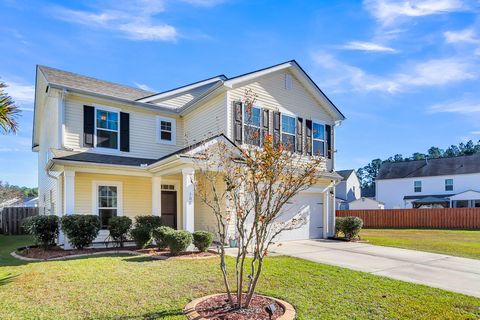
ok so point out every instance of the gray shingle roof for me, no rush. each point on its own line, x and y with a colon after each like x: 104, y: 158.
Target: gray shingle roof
x: 432, y: 167
x: 345, y: 173
x: 76, y: 81
x: 106, y: 159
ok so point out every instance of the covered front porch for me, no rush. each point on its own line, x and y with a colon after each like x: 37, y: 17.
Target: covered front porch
x: 108, y: 192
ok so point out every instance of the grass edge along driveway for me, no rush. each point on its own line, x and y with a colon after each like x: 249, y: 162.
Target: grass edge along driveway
x: 462, y: 243
x: 126, y: 287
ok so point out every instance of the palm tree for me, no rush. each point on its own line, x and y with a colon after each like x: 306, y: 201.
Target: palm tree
x: 8, y: 112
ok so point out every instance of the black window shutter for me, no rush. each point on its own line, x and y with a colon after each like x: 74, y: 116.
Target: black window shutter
x: 237, y: 125
x: 308, y: 137
x: 328, y: 132
x: 88, y: 126
x: 299, y: 135
x: 124, y: 132
x: 265, y: 123
x: 276, y: 127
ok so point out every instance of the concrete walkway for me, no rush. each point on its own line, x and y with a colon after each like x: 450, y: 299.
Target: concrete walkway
x: 437, y: 270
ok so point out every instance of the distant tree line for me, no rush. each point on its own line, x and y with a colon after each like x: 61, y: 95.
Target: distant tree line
x: 8, y: 191
x: 368, y: 173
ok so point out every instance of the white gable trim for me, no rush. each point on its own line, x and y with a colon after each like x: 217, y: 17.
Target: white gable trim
x: 187, y: 88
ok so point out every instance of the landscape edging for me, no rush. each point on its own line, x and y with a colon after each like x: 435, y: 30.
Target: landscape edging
x: 191, y: 313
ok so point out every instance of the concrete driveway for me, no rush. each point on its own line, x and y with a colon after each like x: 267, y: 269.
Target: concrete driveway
x: 437, y: 270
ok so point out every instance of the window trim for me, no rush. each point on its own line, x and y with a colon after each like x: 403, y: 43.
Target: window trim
x: 447, y: 185
x: 324, y: 124
x: 108, y: 109
x: 98, y: 183
x: 294, y: 116
x: 173, y: 122
x: 414, y: 187
x: 244, y: 123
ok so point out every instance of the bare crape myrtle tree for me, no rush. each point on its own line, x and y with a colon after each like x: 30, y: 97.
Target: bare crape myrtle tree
x: 247, y: 187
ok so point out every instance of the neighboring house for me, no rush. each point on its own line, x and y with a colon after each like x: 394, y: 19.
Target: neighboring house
x: 431, y: 183
x: 365, y: 204
x: 348, y: 189
x: 113, y: 150
x: 20, y: 202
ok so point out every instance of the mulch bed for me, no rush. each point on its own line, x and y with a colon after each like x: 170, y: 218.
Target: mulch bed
x: 35, y: 252
x: 165, y: 254
x: 217, y: 308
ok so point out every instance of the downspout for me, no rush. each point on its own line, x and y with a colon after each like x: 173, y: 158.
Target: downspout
x: 59, y: 204
x: 326, y: 206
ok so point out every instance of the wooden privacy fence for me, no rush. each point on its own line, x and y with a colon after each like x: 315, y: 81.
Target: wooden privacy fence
x: 448, y: 218
x: 11, y: 218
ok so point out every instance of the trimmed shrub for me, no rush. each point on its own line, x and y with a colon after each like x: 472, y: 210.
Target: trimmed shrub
x: 141, y: 235
x: 160, y: 236
x: 149, y: 222
x: 80, y: 229
x: 44, y: 229
x: 178, y: 241
x: 119, y: 228
x: 351, y: 227
x: 202, y: 240
x: 338, y: 225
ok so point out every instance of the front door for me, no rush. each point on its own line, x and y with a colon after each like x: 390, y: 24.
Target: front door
x: 169, y: 208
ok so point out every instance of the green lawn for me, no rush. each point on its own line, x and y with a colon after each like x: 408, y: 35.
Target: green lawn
x: 461, y: 243
x: 126, y: 287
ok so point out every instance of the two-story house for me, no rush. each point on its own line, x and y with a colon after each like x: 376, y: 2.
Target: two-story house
x: 431, y: 183
x: 113, y: 150
x: 347, y: 190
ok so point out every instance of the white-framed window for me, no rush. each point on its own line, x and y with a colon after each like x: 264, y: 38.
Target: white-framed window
x: 107, y: 127
x: 252, y: 122
x: 448, y: 184
x: 166, y: 130
x: 417, y: 186
x: 107, y: 200
x: 288, y: 129
x: 318, y: 139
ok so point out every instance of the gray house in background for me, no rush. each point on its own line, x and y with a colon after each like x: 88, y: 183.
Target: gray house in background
x: 348, y: 189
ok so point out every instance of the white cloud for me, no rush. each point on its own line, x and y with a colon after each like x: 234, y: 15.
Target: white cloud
x: 389, y: 11
x: 475, y: 132
x: 367, y: 46
x: 144, y: 86
x: 204, y: 3
x: 21, y: 93
x: 343, y: 77
x: 3, y: 149
x: 133, y: 19
x: 466, y: 35
x: 466, y: 106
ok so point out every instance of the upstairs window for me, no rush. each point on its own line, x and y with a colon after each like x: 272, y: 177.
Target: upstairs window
x: 318, y: 132
x: 417, y: 186
x: 448, y: 184
x: 252, y: 125
x: 166, y: 130
x: 288, y: 132
x: 107, y: 129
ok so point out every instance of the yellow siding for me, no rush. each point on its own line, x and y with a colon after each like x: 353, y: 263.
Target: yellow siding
x: 179, y: 100
x: 273, y: 95
x: 143, y: 129
x: 204, y: 217
x: 206, y: 121
x: 136, y: 198
x: 48, y: 138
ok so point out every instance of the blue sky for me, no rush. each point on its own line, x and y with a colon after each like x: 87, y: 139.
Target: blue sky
x: 405, y: 74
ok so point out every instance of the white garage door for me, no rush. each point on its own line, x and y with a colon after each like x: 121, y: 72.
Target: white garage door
x: 310, y: 206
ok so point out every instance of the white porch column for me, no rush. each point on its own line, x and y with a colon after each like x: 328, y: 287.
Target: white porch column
x: 326, y: 212
x: 69, y: 192
x: 157, y: 196
x: 68, y: 200
x: 188, y: 176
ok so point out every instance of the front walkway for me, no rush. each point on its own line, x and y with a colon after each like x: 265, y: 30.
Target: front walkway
x: 437, y: 270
